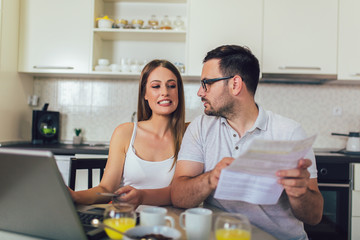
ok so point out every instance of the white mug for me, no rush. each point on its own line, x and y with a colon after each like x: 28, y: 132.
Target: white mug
x: 154, y: 216
x: 197, y: 223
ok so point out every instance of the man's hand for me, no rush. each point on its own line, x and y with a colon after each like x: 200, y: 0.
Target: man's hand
x: 215, y: 173
x: 296, y: 181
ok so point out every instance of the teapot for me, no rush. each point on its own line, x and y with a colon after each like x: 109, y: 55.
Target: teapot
x: 353, y: 142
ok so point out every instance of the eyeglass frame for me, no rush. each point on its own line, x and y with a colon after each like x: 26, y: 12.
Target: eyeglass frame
x: 212, y: 80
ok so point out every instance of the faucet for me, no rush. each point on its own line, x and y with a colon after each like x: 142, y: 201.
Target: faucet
x: 133, y: 117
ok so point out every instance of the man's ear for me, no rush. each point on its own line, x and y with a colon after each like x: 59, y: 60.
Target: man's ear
x: 237, y: 85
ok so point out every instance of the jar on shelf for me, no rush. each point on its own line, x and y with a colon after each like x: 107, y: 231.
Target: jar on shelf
x: 165, y: 23
x: 179, y: 23
x: 137, y: 23
x: 153, y: 22
x: 121, y: 22
x: 180, y: 66
x: 104, y: 22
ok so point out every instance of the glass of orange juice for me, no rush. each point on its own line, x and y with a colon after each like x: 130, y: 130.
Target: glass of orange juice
x: 121, y: 217
x: 232, y: 226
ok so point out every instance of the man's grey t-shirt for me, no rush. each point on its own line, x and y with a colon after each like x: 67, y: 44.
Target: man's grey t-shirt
x: 209, y: 139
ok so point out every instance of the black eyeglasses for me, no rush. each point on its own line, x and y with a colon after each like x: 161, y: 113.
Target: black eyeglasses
x: 212, y: 80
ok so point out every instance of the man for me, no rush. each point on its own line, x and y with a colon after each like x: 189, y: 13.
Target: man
x: 229, y: 80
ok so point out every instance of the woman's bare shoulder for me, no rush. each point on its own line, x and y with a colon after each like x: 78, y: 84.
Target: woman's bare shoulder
x: 122, y: 135
x: 125, y: 127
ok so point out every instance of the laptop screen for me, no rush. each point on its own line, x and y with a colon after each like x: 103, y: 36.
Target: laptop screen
x: 33, y: 197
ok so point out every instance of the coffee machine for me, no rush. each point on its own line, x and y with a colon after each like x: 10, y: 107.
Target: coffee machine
x: 45, y: 126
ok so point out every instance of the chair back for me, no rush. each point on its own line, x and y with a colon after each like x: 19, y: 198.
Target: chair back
x: 86, y: 163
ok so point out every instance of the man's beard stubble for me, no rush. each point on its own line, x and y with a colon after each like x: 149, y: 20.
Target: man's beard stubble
x: 225, y: 111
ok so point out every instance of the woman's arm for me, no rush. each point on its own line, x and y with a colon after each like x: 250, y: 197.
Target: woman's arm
x: 111, y: 179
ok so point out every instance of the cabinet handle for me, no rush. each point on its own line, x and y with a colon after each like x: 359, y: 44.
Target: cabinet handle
x: 53, y: 67
x: 334, y: 185
x: 299, y: 68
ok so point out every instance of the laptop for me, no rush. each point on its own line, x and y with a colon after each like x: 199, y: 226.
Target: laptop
x: 34, y: 199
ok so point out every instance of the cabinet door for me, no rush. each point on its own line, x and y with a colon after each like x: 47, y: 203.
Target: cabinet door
x: 355, y: 230
x: 63, y: 163
x: 55, y: 36
x: 357, y: 177
x: 300, y: 36
x: 222, y: 22
x: 349, y: 40
x: 355, y: 209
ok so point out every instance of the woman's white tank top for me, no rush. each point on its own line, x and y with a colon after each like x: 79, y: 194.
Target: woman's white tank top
x: 142, y: 174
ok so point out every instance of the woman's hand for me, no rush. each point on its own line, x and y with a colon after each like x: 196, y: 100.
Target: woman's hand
x: 131, y: 195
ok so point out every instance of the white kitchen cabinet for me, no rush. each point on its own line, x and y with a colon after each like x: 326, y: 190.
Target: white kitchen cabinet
x: 355, y: 216
x: 55, y: 36
x: 300, y: 36
x: 138, y: 46
x: 222, y: 22
x: 349, y: 40
x: 63, y: 163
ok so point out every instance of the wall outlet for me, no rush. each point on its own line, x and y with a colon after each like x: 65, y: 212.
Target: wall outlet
x: 33, y: 100
x: 337, y: 111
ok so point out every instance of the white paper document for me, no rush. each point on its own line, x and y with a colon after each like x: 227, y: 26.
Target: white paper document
x: 252, y: 176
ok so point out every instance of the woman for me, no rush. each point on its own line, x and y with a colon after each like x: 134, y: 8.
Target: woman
x: 142, y: 156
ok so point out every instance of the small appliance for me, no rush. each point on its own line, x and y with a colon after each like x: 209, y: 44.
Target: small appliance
x: 353, y: 142
x: 45, y: 126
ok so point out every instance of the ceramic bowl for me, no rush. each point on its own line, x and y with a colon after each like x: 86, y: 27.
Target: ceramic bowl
x: 140, y: 231
x: 105, y: 23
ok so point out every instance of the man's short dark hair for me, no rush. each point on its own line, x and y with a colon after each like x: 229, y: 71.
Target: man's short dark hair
x: 237, y: 60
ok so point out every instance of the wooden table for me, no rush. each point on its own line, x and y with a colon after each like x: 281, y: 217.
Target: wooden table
x: 257, y: 233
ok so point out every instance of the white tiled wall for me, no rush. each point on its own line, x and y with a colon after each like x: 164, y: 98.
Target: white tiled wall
x: 99, y: 105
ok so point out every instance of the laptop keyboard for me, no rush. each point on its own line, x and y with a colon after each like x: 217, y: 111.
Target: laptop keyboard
x: 86, y: 218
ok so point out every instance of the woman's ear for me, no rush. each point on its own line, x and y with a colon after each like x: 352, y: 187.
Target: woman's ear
x: 237, y: 85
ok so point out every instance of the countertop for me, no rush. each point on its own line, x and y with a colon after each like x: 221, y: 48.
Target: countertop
x: 322, y: 154
x: 62, y: 148
x: 325, y: 155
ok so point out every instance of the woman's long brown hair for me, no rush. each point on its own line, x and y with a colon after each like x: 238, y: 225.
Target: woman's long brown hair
x: 177, y: 118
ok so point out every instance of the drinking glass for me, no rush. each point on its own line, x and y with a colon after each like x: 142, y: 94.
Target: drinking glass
x: 120, y: 216
x: 232, y: 226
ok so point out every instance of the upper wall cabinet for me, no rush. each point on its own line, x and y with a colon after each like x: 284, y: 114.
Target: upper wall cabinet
x: 144, y: 30
x: 222, y: 22
x: 55, y: 36
x: 349, y: 40
x: 300, y: 37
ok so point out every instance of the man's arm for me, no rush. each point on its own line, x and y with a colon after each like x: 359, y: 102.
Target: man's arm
x: 190, y: 186
x: 304, y: 195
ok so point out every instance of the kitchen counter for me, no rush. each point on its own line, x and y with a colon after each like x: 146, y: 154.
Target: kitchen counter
x: 322, y: 154
x: 62, y: 148
x: 336, y: 156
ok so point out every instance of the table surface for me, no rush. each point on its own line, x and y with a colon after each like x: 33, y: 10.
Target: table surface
x: 257, y: 233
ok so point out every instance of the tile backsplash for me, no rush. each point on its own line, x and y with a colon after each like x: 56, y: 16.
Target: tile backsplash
x: 99, y: 105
